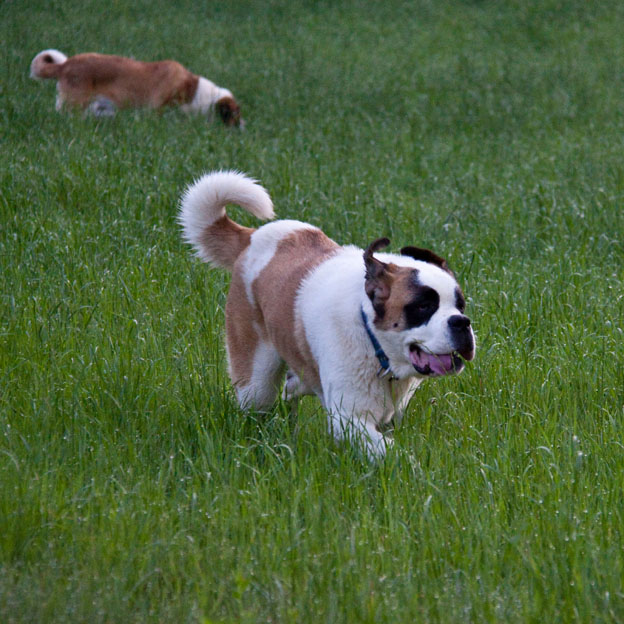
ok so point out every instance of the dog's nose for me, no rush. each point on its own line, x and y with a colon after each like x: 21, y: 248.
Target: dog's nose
x: 459, y: 321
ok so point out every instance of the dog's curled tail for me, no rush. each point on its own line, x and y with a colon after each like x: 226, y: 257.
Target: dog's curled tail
x: 215, y: 237
x: 47, y: 64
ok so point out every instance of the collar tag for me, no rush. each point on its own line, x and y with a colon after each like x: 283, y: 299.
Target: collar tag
x: 382, y: 372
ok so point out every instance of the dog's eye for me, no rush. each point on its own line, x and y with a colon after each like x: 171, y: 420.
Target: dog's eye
x: 420, y: 307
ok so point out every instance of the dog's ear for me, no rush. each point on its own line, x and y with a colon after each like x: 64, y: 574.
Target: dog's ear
x: 229, y: 111
x: 377, y: 284
x: 426, y: 256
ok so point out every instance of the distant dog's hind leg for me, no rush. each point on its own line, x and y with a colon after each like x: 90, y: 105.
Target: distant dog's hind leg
x: 60, y: 100
x: 102, y: 107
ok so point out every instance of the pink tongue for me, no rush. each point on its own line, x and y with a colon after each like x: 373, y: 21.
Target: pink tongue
x: 439, y: 364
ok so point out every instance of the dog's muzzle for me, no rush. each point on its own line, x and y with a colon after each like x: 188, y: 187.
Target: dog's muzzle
x: 438, y: 364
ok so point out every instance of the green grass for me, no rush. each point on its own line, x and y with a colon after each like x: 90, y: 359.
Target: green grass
x: 132, y: 489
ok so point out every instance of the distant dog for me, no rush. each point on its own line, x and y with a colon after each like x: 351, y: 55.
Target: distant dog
x: 358, y: 329
x: 102, y: 83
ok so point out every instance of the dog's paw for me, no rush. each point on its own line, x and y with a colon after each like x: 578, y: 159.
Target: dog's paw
x: 289, y: 391
x: 364, y: 436
x: 102, y: 107
x: 376, y: 447
x: 294, y: 387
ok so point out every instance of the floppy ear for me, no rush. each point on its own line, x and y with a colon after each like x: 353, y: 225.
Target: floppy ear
x: 426, y: 256
x: 378, y: 279
x: 229, y: 111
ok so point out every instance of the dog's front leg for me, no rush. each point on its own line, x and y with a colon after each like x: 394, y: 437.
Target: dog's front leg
x: 358, y: 432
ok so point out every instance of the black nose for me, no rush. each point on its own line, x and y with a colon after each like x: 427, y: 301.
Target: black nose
x: 459, y: 321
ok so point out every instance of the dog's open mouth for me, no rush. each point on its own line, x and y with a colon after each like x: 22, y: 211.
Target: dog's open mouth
x: 435, y: 364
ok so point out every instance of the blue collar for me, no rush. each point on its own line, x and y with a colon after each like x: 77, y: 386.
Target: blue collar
x: 379, y: 352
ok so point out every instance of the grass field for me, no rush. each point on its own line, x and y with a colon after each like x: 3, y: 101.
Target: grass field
x: 132, y: 489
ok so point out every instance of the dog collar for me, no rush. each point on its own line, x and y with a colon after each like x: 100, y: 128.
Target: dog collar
x: 379, y: 352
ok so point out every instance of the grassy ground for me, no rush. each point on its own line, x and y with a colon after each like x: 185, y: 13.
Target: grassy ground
x: 131, y: 487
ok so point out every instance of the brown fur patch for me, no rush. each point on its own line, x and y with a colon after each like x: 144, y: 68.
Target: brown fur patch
x: 401, y: 290
x: 225, y: 240
x: 126, y: 82
x: 242, y: 337
x: 185, y: 92
x: 275, y: 291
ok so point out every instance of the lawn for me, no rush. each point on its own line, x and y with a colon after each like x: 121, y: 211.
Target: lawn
x: 132, y: 488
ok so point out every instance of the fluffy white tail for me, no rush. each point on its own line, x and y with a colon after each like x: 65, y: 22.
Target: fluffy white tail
x: 202, y: 216
x: 46, y: 64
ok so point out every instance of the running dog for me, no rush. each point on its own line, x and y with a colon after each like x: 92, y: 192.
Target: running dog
x: 357, y: 328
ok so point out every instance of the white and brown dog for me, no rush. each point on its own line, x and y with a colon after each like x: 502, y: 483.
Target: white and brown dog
x: 358, y: 329
x: 102, y: 83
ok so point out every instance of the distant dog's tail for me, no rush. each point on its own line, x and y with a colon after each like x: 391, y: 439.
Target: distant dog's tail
x: 47, y: 64
x: 215, y: 237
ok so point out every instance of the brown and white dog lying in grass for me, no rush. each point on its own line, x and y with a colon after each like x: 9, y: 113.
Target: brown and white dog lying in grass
x: 357, y: 328
x: 102, y: 83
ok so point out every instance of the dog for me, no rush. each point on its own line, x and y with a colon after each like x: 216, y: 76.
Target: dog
x: 357, y: 328
x: 101, y: 83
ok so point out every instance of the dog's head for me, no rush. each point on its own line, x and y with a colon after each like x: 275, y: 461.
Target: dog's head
x: 419, y: 312
x: 229, y: 112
